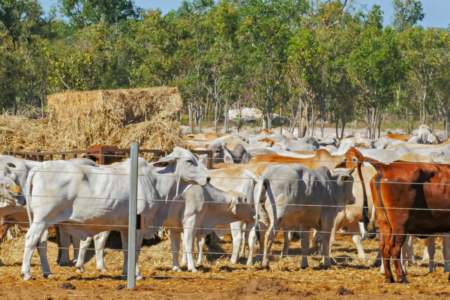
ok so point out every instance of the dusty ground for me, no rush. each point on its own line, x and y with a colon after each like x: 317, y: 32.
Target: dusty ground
x: 217, y: 278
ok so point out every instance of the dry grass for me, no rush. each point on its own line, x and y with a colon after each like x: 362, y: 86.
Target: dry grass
x: 82, y: 119
x: 155, y: 262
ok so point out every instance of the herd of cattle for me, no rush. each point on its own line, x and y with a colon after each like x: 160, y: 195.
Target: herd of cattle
x: 259, y: 185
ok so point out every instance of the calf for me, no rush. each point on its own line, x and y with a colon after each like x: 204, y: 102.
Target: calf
x: 197, y: 211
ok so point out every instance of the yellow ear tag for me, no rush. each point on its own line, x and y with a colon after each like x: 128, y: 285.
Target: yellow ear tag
x: 16, y: 189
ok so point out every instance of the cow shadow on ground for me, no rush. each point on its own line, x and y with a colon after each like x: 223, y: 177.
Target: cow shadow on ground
x: 80, y: 278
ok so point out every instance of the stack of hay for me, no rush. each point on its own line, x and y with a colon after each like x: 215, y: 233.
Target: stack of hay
x: 114, y: 117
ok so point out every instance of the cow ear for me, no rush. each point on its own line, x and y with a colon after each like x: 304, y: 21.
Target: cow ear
x: 166, y: 161
x: 227, y: 156
x: 346, y: 178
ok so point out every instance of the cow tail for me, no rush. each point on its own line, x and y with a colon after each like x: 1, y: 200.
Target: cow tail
x: 365, y: 212
x: 259, y: 190
x: 28, y: 194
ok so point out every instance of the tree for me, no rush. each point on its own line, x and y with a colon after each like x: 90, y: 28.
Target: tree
x: 376, y: 67
x: 423, y: 49
x: 85, y: 12
x: 406, y: 13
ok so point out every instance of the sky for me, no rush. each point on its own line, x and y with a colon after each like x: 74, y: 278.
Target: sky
x: 436, y: 11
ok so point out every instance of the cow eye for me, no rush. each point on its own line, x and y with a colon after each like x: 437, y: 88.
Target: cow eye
x: 355, y: 159
x: 190, y: 161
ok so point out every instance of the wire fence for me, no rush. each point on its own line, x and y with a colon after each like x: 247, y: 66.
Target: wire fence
x: 296, y: 206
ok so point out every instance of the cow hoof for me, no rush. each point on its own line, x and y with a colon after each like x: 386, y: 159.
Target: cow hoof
x: 139, y: 277
x: 48, y: 276
x: 176, y: 269
x: 27, y: 276
x: 403, y: 280
x: 80, y: 270
x: 1, y: 264
x: 194, y: 270
x: 390, y: 280
x: 103, y: 270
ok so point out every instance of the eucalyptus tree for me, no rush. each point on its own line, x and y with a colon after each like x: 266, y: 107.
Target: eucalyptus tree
x: 376, y: 67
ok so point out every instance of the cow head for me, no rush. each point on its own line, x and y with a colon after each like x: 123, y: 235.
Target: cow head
x: 344, y: 179
x: 182, y: 166
x: 354, y: 159
x: 220, y: 154
x: 9, y: 192
x: 239, y: 206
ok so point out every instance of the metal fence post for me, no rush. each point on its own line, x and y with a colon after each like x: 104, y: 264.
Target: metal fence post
x: 134, y: 154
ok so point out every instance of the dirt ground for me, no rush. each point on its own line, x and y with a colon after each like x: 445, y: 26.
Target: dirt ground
x: 348, y: 277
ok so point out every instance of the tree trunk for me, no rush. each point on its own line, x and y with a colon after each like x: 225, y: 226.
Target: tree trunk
x: 337, y: 127
x: 379, y: 126
x: 305, y: 121
x: 299, y: 133
x: 191, y: 125
x: 215, y: 116
x: 281, y: 117
x: 343, y: 125
x: 424, y: 113
x: 226, y: 116
x: 313, y: 123
x: 322, y: 118
x: 269, y: 119
x: 446, y: 125
x: 200, y: 120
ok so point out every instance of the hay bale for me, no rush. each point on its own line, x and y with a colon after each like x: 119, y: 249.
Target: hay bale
x: 79, y: 120
x: 125, y: 106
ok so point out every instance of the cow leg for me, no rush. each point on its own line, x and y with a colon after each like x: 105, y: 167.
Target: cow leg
x: 287, y: 243
x: 251, y: 246
x: 244, y: 235
x: 200, y: 243
x: 268, y: 238
x: 426, y: 255
x: 397, y: 242
x: 188, y: 247
x: 236, y: 233
x: 63, y: 248
x: 42, y: 251
x: 445, y: 250
x: 326, y: 248
x: 385, y: 252
x: 183, y: 253
x: 431, y: 241
x: 100, y: 243
x: 84, y: 245
x: 357, y: 239
x: 31, y: 240
x: 175, y: 241
x: 76, y: 242
x: 408, y: 250
x: 139, y: 239
x: 304, y: 237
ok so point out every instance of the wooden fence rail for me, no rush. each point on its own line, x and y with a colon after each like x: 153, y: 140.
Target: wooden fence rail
x: 101, y: 152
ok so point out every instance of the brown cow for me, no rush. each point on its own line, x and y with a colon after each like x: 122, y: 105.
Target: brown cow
x: 322, y: 158
x: 399, y: 137
x: 110, y: 156
x: 411, y: 199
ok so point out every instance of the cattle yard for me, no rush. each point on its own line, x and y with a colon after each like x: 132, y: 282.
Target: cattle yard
x: 204, y: 181
x: 218, y: 277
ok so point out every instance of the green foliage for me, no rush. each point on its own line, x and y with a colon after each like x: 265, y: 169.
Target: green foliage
x: 407, y: 13
x: 329, y: 61
x: 84, y: 12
